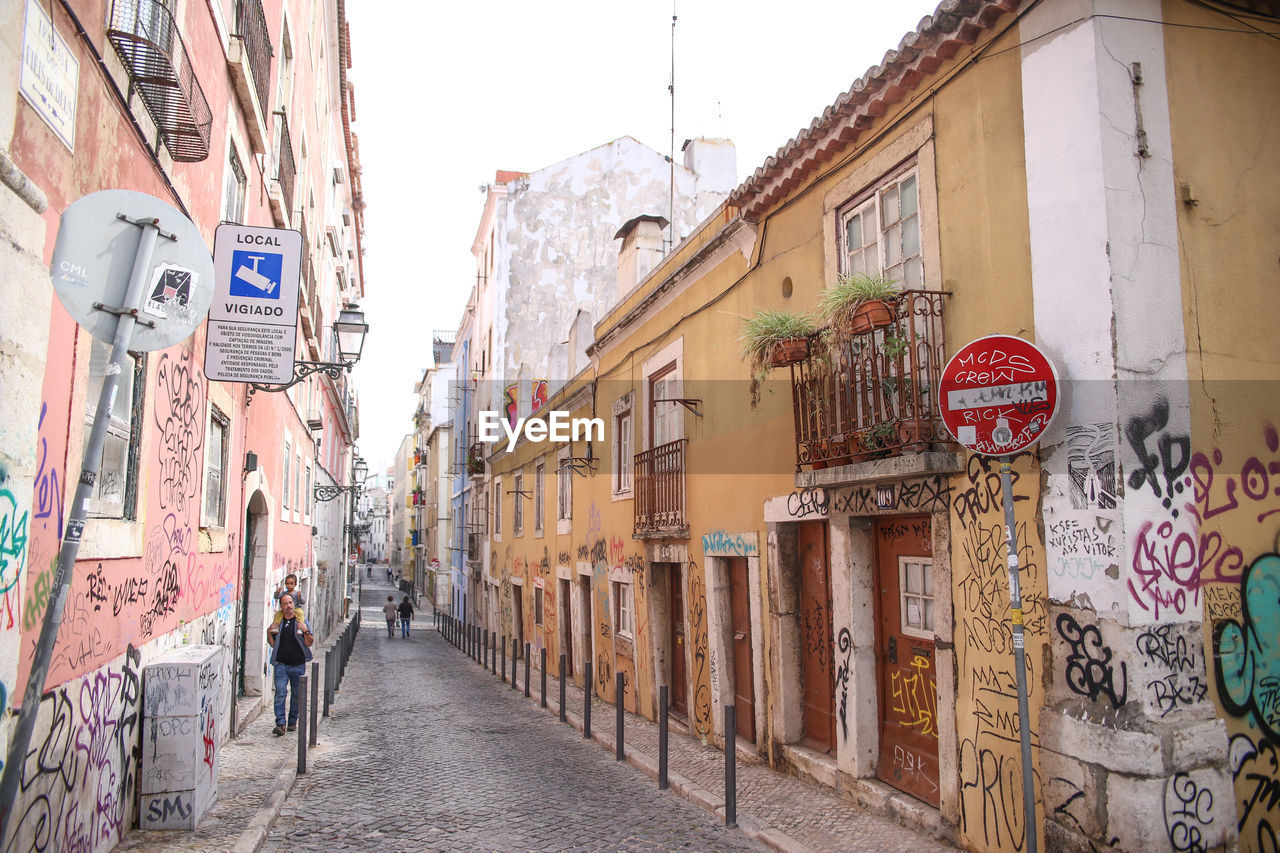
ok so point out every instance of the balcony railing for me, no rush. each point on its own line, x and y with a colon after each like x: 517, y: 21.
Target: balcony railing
x: 874, y: 394
x: 146, y: 37
x: 251, y: 26
x: 659, y: 489
x: 286, y: 170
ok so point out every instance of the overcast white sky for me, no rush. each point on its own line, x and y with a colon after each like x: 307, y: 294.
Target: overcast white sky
x: 447, y: 93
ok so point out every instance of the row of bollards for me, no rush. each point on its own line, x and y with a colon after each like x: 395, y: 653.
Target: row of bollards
x: 335, y: 665
x: 489, y: 649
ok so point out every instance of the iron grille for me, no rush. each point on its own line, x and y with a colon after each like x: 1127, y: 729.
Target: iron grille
x: 146, y: 37
x: 659, y: 488
x: 873, y: 394
x: 251, y: 26
x: 286, y: 170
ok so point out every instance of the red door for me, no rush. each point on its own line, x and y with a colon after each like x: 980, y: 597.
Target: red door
x: 679, y: 684
x: 744, y: 691
x: 566, y: 627
x: 907, y: 660
x: 815, y: 630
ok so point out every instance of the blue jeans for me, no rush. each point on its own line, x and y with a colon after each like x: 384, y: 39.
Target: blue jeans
x: 404, y: 627
x: 287, y: 676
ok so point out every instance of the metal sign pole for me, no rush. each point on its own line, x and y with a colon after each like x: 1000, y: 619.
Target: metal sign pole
x: 1019, y: 654
x: 127, y: 318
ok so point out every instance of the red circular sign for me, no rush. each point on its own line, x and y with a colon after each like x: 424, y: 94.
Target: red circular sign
x: 998, y: 394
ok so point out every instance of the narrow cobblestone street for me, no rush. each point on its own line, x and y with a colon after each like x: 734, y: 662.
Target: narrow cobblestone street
x: 426, y: 752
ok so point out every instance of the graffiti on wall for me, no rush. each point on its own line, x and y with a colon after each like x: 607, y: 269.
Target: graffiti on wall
x: 78, y: 780
x: 1247, y: 652
x: 990, y: 772
x: 179, y: 416
x: 701, y: 676
x: 1173, y: 666
x: 1089, y: 667
x: 1091, y: 465
x: 1255, y: 768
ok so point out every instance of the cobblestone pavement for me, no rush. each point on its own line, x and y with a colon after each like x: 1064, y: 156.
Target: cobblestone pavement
x: 425, y: 751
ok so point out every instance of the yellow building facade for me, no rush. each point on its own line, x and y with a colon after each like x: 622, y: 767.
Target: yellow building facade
x: 832, y: 564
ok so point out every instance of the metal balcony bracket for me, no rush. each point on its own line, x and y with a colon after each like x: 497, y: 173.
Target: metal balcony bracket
x: 690, y: 403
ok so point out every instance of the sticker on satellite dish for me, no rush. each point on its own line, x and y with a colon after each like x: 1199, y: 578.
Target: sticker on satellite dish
x: 256, y: 274
x: 170, y: 292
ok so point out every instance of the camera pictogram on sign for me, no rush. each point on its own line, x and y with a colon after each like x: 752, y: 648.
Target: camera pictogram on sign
x: 256, y: 274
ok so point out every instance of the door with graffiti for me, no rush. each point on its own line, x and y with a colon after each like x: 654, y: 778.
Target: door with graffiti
x: 906, y: 659
x: 744, y: 694
x: 679, y: 677
x: 566, y: 627
x: 815, y: 614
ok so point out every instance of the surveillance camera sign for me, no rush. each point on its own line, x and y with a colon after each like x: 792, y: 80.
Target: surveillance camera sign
x: 253, y: 322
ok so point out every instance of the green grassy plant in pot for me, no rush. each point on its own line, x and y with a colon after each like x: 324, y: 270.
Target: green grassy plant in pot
x: 773, y: 339
x: 858, y: 303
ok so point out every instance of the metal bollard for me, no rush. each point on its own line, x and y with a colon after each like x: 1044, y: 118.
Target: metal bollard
x: 730, y: 766
x: 503, y: 649
x: 515, y: 664
x: 485, y: 661
x: 493, y: 658
x: 586, y: 700
x: 663, y: 699
x: 328, y: 681
x: 527, y: 655
x: 302, y: 724
x: 544, y: 676
x: 315, y: 703
x: 562, y: 666
x: 619, y: 699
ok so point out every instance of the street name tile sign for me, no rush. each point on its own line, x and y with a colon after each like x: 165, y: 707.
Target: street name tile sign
x: 253, y: 321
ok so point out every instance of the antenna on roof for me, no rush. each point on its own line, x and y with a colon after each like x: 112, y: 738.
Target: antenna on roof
x: 671, y: 160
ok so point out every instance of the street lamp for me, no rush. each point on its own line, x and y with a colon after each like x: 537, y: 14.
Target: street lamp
x: 350, y: 330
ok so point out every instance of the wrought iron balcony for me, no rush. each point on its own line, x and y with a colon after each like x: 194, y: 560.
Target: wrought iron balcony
x: 873, y: 394
x: 659, y: 489
x: 251, y: 27
x: 146, y: 37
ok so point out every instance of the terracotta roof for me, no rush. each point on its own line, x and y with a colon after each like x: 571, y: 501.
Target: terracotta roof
x: 954, y: 25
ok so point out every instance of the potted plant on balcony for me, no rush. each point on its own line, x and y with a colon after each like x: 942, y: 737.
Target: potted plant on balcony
x: 858, y: 303
x: 774, y: 339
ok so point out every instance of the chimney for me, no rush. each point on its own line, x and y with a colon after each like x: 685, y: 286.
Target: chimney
x: 641, y: 250
x: 714, y: 163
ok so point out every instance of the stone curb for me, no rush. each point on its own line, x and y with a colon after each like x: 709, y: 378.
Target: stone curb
x: 252, y: 839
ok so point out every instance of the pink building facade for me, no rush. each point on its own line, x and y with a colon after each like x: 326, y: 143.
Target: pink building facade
x: 205, y: 498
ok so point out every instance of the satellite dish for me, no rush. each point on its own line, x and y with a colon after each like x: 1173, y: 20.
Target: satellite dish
x: 93, y: 260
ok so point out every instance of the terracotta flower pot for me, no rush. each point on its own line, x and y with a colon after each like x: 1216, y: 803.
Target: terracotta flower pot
x: 789, y: 352
x: 870, y: 315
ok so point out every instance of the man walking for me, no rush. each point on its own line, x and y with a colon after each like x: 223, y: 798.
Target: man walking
x: 406, y: 615
x: 290, y: 640
x: 391, y: 612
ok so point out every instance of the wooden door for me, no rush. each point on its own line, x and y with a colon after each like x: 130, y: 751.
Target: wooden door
x: 517, y: 615
x: 679, y: 676
x: 907, y: 661
x: 744, y: 691
x: 817, y: 648
x: 566, y: 627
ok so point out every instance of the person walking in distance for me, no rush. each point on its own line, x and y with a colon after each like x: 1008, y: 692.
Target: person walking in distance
x: 406, y: 615
x: 391, y: 612
x: 290, y: 640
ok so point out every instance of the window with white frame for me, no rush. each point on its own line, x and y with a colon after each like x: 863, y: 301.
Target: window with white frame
x: 564, y: 486
x: 286, y: 479
x: 115, y: 490
x: 497, y: 509
x: 915, y: 584
x: 215, y: 470
x: 299, y: 499
x: 235, y: 189
x: 623, y: 610
x: 307, y: 495
x: 880, y: 232
x: 539, y: 492
x: 517, y: 509
x: 623, y: 445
